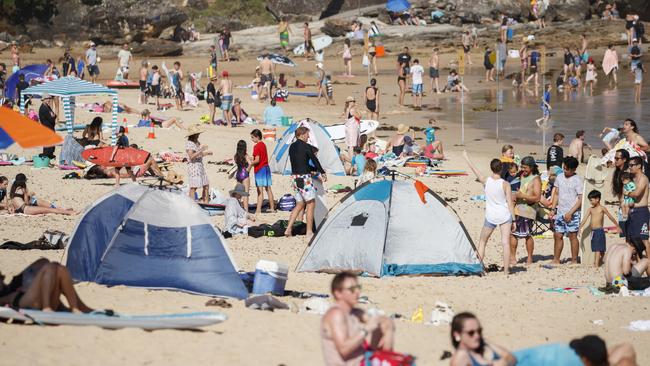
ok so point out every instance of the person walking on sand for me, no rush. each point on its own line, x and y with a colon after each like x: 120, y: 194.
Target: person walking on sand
x: 610, y: 63
x: 226, y: 40
x: 225, y: 87
x: 527, y: 199
x: 347, y: 58
x: 466, y: 40
x: 434, y: 70
x: 92, y: 60
x: 309, y: 45
x: 284, y: 29
x: 262, y: 172
x: 144, y: 74
x: 417, y: 71
x: 345, y: 330
x: 301, y: 154
x: 566, y: 207
x: 124, y: 60
x: 371, y: 97
x: 499, y: 209
x: 196, y: 175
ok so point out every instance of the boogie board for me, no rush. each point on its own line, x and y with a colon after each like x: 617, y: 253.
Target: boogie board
x: 124, y: 157
x: 319, y: 44
x: 304, y: 94
x: 595, y: 178
x: 337, y: 131
x: 277, y: 59
x: 116, y: 321
x: 74, y: 128
x: 123, y: 84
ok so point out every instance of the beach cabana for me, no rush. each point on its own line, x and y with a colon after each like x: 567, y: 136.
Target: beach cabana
x: 392, y: 228
x: 68, y: 88
x: 147, y: 237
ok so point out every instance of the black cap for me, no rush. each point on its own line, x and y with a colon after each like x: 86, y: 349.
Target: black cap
x: 20, y: 177
x: 591, y: 347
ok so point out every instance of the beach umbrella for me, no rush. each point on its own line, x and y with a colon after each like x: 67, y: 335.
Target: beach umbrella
x: 30, y: 72
x: 14, y: 127
x: 277, y: 59
x: 397, y: 6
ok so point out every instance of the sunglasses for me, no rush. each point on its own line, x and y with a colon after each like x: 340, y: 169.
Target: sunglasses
x: 634, y: 164
x: 474, y: 332
x: 353, y: 288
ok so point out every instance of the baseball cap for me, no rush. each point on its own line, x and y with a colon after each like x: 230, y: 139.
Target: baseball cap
x: 591, y: 347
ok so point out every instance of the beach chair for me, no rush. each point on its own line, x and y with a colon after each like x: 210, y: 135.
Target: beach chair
x: 542, y: 223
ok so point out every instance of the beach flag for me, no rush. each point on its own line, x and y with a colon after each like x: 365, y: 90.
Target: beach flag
x: 15, y: 127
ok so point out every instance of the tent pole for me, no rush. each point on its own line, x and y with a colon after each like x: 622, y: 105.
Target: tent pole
x: 68, y: 115
x: 22, y: 103
x: 114, y: 122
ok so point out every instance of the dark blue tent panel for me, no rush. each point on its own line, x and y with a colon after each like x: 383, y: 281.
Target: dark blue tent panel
x: 30, y: 72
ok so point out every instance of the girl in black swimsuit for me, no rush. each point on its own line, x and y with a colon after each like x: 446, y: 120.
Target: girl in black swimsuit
x: 371, y: 103
x: 23, y: 203
x: 401, y: 81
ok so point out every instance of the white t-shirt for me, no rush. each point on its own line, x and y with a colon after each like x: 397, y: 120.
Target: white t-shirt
x: 417, y: 71
x: 124, y: 57
x: 568, y: 190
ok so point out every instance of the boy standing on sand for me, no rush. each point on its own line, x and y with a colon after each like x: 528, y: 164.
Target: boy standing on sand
x: 262, y: 171
x: 417, y: 71
x: 434, y: 72
x: 566, y: 206
x: 555, y: 153
x: 597, y: 214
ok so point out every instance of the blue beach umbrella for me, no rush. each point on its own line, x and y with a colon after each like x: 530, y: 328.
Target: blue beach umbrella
x: 397, y: 6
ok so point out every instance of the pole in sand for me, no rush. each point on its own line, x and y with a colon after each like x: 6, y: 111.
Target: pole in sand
x: 461, y: 72
x: 498, y: 66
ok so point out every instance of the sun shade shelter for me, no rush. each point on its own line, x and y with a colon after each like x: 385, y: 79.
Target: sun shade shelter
x: 141, y: 236
x: 392, y: 228
x: 68, y: 88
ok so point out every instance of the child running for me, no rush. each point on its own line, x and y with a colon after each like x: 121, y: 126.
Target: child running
x: 546, y: 107
x: 597, y: 214
x: 243, y: 162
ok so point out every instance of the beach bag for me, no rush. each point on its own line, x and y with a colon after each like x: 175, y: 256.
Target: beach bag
x: 387, y: 358
x: 286, y: 203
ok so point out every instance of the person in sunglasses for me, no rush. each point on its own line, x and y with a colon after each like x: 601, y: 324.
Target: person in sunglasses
x: 636, y: 226
x: 346, y: 331
x: 470, y: 347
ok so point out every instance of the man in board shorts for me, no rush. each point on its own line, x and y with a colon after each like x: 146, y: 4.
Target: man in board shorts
x: 636, y: 226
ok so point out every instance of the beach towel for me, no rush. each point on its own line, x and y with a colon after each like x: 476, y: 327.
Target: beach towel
x: 633, y: 149
x: 610, y: 61
x: 554, y: 354
x: 71, y: 151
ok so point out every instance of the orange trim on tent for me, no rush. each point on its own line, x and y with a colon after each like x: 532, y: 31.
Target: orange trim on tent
x: 26, y: 132
x: 421, y: 188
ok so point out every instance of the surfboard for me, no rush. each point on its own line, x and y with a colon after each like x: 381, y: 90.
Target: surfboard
x: 277, y: 59
x: 319, y: 43
x: 595, y: 178
x: 337, y: 131
x: 123, y: 84
x: 304, y: 94
x: 124, y: 157
x: 116, y: 321
x: 74, y: 128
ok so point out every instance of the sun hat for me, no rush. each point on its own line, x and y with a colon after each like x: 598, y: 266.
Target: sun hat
x: 92, y: 44
x: 529, y: 161
x: 46, y: 96
x: 402, y: 129
x: 350, y: 99
x: 194, y: 130
x: 214, y: 77
x: 240, y: 190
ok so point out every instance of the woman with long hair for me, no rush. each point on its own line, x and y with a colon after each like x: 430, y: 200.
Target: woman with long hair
x: 401, y: 82
x: 242, y: 174
x: 621, y: 164
x: 92, y: 134
x: 22, y: 201
x: 470, y: 349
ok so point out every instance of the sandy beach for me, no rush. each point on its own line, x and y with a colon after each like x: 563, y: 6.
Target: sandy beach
x: 514, y: 310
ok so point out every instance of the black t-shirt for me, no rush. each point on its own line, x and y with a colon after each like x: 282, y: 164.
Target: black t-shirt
x: 212, y: 92
x: 404, y: 58
x: 46, y: 116
x: 568, y: 58
x: 554, y: 156
x: 300, y: 154
x: 22, y: 85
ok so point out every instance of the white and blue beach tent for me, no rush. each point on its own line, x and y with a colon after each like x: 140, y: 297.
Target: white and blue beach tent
x: 392, y: 228
x: 146, y: 237
x: 68, y: 88
x: 328, y: 155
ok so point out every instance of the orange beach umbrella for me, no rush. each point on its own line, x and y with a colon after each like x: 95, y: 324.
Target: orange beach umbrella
x: 14, y: 127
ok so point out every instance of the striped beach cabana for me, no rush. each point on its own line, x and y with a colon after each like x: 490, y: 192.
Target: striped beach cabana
x: 68, y: 88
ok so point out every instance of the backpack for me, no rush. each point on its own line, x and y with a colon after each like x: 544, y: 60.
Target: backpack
x: 286, y: 203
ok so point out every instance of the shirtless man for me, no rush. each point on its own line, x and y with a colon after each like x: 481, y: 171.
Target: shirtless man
x: 636, y: 226
x: 466, y: 39
x: 267, y: 71
x: 623, y: 260
x: 576, y: 148
x: 344, y: 328
x: 309, y: 46
x: 144, y: 74
x: 631, y: 133
x: 434, y: 70
x: 225, y: 87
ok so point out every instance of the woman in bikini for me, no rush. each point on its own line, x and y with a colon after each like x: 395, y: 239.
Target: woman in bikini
x: 372, y: 100
x: 92, y: 134
x: 401, y: 81
x: 39, y: 287
x: 146, y: 118
x: 470, y: 349
x: 22, y: 201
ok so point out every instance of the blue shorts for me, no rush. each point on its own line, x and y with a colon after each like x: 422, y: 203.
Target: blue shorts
x: 564, y: 227
x: 545, y: 111
x: 598, y: 240
x: 226, y: 102
x: 417, y: 89
x: 263, y: 177
x: 490, y: 225
x: 636, y: 226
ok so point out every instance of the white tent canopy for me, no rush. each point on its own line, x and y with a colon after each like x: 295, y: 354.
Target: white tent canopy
x: 68, y: 88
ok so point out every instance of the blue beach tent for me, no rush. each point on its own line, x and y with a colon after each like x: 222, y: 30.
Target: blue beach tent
x: 392, y: 228
x: 328, y: 155
x: 145, y: 237
x: 397, y: 6
x: 30, y: 72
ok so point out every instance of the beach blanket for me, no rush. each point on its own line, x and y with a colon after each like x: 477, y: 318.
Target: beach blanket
x: 71, y: 151
x: 610, y: 61
x: 554, y: 354
x: 171, y: 157
x: 633, y: 149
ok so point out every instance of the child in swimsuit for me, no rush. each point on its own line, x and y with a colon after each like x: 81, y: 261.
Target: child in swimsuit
x: 628, y: 187
x: 244, y: 165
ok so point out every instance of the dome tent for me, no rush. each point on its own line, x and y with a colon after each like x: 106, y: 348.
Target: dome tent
x: 390, y: 228
x: 318, y: 137
x: 147, y: 237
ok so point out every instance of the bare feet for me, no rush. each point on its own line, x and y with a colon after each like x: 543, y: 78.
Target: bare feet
x: 288, y: 233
